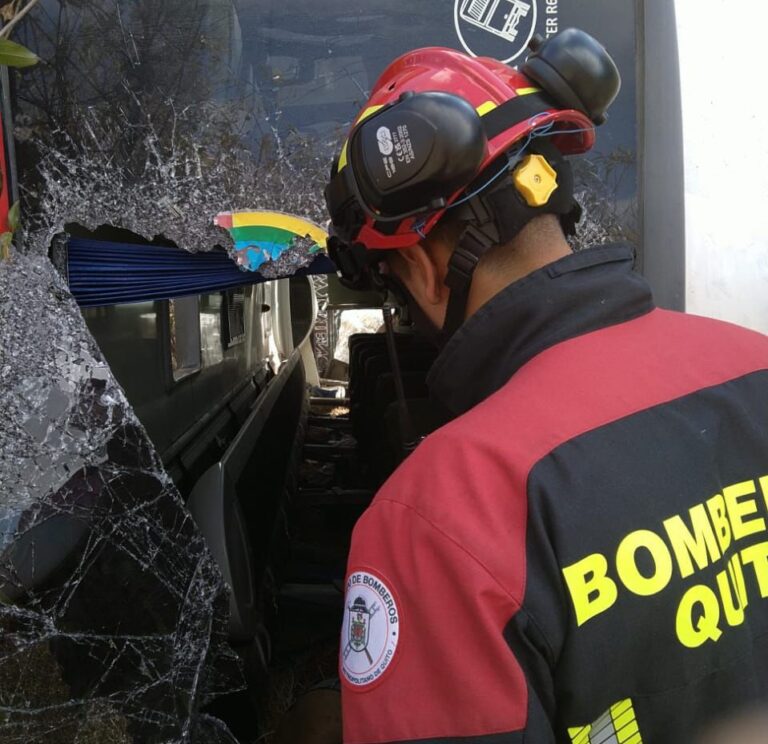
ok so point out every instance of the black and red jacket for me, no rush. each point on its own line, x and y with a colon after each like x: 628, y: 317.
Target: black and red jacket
x: 582, y: 554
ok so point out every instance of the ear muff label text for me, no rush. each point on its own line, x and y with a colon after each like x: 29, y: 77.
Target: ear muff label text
x: 712, y: 555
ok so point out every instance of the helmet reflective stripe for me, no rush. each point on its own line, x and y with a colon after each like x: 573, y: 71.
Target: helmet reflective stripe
x: 368, y: 112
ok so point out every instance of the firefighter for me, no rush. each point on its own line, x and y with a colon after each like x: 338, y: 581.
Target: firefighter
x: 581, y: 553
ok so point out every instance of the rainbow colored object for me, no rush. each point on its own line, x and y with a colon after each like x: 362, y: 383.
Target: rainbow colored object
x: 263, y: 236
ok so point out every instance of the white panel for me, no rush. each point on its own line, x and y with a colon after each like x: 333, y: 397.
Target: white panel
x: 725, y: 131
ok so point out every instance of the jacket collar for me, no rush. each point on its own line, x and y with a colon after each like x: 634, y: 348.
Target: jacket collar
x: 578, y: 294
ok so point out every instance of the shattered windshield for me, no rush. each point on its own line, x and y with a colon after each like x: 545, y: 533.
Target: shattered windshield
x: 112, y: 611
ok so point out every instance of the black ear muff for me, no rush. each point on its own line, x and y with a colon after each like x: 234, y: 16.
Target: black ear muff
x: 413, y: 155
x: 576, y: 70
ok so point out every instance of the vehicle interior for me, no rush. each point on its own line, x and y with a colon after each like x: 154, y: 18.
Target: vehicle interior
x: 276, y: 473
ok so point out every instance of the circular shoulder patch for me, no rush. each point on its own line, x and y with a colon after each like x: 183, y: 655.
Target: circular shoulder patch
x: 370, y: 631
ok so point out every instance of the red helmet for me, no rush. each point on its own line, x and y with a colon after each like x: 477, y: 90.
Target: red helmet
x: 440, y: 127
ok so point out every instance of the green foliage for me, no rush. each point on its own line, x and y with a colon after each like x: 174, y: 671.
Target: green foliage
x: 5, y: 245
x: 7, y: 237
x: 16, y: 55
x: 13, y: 55
x: 13, y: 217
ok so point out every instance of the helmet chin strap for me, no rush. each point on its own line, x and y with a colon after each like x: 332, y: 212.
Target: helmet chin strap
x: 494, y: 217
x: 476, y: 240
x: 478, y: 237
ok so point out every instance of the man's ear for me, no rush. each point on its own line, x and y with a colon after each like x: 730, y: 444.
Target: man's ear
x: 425, y: 275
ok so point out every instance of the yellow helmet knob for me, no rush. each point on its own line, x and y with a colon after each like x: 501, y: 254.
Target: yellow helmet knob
x: 535, y: 179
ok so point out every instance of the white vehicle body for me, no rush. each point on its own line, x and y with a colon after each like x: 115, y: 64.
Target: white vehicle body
x: 725, y: 112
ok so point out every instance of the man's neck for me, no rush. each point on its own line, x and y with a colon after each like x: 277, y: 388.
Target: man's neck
x: 487, y: 283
